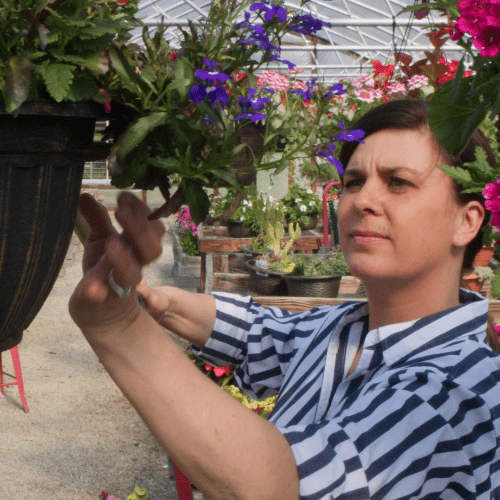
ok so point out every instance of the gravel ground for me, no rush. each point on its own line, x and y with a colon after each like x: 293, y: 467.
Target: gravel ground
x: 81, y: 436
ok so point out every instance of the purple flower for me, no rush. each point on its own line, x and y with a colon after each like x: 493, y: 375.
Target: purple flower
x: 246, y: 24
x: 271, y: 11
x: 290, y: 65
x: 308, y: 94
x: 337, y: 89
x: 353, y: 135
x: 216, y: 93
x: 331, y: 159
x: 308, y: 25
x: 262, y: 42
x: 251, y: 104
x: 210, y: 74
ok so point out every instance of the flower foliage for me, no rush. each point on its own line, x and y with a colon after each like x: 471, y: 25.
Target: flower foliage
x: 300, y: 203
x: 224, y: 377
x: 188, y: 241
x: 185, y: 110
x: 58, y: 51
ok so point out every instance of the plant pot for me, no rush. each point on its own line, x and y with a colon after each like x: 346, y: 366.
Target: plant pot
x: 243, y: 166
x: 472, y: 282
x: 313, y: 286
x: 42, y: 156
x: 238, y: 229
x: 251, y: 254
x: 265, y: 282
x: 483, y: 257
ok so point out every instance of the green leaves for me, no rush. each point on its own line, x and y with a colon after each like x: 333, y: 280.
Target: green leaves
x: 58, y: 79
x: 196, y: 199
x: 18, y: 81
x: 454, y: 113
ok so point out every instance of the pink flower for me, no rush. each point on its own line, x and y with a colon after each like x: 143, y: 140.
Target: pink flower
x: 396, y: 88
x: 492, y: 190
x: 417, y: 81
x: 220, y: 371
x: 496, y: 327
x: 273, y: 79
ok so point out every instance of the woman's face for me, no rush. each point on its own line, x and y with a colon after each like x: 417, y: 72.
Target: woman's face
x: 397, y: 211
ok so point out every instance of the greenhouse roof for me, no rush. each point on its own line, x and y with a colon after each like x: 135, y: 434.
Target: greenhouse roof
x: 361, y: 31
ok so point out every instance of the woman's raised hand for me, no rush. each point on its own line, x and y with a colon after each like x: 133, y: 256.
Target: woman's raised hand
x: 94, y: 305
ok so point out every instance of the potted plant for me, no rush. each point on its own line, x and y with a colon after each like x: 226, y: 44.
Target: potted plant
x: 266, y: 273
x: 243, y: 222
x: 54, y: 55
x: 478, y: 278
x: 317, y: 276
x: 302, y: 206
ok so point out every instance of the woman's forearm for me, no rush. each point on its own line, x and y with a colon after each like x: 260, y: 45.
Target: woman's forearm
x: 189, y: 315
x: 225, y: 449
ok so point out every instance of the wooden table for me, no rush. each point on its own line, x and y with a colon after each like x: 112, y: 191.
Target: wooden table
x: 210, y: 243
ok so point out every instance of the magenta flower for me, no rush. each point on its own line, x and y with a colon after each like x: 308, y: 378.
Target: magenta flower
x: 481, y: 20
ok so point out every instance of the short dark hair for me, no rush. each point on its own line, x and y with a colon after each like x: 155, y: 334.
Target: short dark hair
x: 411, y: 114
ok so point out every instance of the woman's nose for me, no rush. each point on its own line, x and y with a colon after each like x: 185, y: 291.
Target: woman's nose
x: 368, y: 199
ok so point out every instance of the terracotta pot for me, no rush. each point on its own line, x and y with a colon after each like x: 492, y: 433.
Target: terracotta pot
x: 483, y: 257
x: 472, y: 282
x: 42, y: 156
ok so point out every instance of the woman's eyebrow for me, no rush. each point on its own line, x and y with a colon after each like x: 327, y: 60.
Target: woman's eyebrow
x: 357, y: 172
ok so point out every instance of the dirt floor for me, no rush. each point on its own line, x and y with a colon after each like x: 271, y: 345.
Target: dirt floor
x: 81, y: 435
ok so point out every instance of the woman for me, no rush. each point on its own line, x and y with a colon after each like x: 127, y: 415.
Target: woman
x: 393, y: 398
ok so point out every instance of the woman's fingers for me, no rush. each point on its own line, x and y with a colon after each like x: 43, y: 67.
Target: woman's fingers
x: 143, y: 235
x: 126, y: 269
x: 96, y: 216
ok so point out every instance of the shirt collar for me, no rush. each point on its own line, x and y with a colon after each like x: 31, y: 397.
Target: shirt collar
x: 400, y: 340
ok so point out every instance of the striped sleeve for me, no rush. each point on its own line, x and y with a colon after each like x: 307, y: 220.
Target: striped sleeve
x: 412, y: 433
x: 260, y: 341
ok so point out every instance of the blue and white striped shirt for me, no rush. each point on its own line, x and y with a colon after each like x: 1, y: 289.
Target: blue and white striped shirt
x: 418, y: 418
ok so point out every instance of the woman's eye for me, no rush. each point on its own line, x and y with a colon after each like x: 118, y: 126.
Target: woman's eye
x: 398, y: 182
x: 353, y: 183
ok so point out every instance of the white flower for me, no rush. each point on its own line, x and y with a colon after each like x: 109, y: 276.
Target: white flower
x: 311, y: 203
x: 244, y: 209
x: 303, y: 208
x: 309, y: 191
x: 245, y: 202
x: 271, y: 199
x: 242, y: 218
x: 249, y: 203
x: 298, y: 199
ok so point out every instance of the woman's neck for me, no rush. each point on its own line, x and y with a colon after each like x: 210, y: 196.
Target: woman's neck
x: 398, y: 302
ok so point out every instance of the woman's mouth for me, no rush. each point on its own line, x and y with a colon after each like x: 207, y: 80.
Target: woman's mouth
x: 368, y: 237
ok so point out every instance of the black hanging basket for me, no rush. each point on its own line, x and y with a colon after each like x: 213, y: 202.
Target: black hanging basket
x: 42, y: 156
x: 265, y: 282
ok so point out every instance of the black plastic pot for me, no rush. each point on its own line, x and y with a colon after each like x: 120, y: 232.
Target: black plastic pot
x: 42, y: 156
x: 237, y: 229
x: 265, y: 282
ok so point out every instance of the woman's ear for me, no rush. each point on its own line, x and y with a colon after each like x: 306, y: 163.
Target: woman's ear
x: 469, y: 221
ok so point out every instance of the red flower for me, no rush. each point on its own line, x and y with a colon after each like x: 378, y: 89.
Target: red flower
x: 353, y: 107
x: 260, y: 408
x: 220, y: 371
x: 208, y: 367
x: 173, y: 56
x: 122, y: 2
x: 380, y: 69
x: 240, y: 76
x: 305, y: 103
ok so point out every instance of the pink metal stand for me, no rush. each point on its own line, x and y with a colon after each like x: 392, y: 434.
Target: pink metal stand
x: 18, y: 377
x: 325, y: 210
x: 182, y: 483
